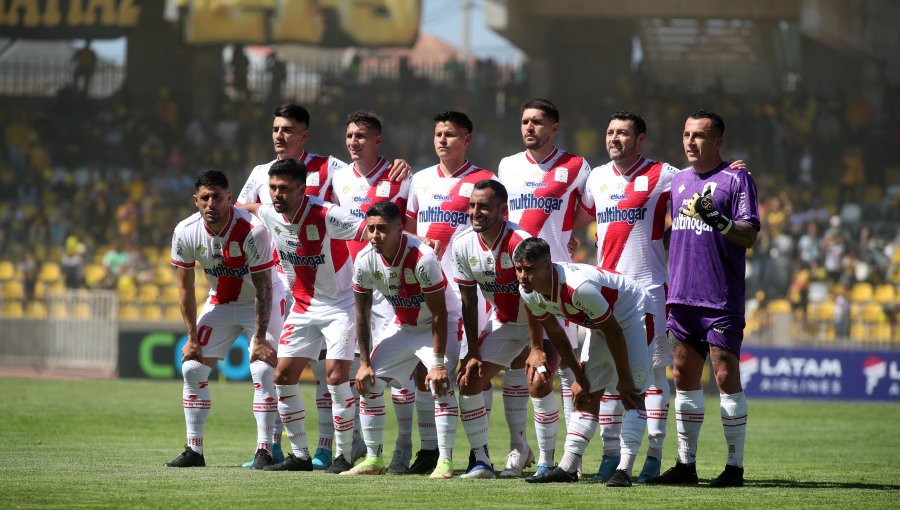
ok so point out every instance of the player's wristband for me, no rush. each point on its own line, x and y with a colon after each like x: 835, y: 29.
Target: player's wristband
x: 727, y: 227
x: 438, y: 361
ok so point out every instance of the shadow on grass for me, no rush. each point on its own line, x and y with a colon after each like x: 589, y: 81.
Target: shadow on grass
x: 799, y: 484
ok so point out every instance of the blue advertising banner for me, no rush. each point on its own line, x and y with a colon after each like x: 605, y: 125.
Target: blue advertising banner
x: 821, y: 374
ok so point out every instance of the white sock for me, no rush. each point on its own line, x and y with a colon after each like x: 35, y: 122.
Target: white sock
x: 611, y: 410
x: 372, y: 418
x: 293, y: 415
x: 344, y: 412
x: 474, y: 420
x: 634, y: 424
x: 546, y: 423
x: 689, y: 410
x: 734, y: 420
x: 446, y: 417
x: 265, y: 402
x: 515, y: 404
x: 196, y: 401
x: 488, y: 396
x: 323, y: 406
x: 657, y: 402
x: 425, y: 416
x: 582, y: 427
x: 404, y: 400
x: 566, y: 378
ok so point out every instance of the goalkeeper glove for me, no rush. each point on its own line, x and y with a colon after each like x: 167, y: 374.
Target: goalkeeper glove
x: 702, y: 208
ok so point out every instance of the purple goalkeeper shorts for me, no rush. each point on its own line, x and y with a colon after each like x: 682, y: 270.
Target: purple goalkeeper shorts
x: 701, y: 327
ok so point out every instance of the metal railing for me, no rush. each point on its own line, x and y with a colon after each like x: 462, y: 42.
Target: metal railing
x: 80, y: 333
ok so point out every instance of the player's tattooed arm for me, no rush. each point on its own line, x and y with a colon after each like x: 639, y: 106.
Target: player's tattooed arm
x: 363, y: 302
x: 260, y: 348
x: 742, y: 234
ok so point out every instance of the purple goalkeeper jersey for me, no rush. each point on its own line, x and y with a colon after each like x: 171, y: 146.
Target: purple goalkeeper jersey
x: 705, y: 268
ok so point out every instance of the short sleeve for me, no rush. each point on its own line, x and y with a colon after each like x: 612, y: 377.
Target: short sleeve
x: 589, y: 298
x: 258, y: 247
x: 341, y: 224
x: 530, y: 303
x: 182, y: 252
x: 744, y: 206
x: 362, y: 276
x: 461, y: 264
x: 250, y: 193
x: 429, y: 273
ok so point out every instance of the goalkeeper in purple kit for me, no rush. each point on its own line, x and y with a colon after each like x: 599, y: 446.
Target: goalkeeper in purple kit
x: 714, y: 221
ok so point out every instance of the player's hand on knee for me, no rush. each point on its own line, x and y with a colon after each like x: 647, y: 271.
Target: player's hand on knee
x: 263, y: 351
x: 538, y: 366
x: 631, y: 397
x: 702, y: 208
x: 439, y: 382
x: 581, y: 394
x: 191, y: 351
x: 365, y: 378
x: 470, y: 373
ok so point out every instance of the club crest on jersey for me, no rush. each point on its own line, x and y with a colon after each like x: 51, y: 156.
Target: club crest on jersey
x: 409, y: 276
x: 561, y: 175
x: 234, y: 249
x: 312, y: 179
x: 505, y: 261
x: 466, y: 188
x: 383, y: 190
x: 312, y: 233
x: 378, y: 275
x: 201, y: 249
x: 473, y: 260
x: 277, y: 230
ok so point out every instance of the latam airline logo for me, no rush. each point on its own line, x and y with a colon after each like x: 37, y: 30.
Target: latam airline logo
x: 749, y: 367
x: 874, y: 369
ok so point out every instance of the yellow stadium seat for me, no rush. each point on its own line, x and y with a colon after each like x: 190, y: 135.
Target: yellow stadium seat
x: 874, y: 313
x: 148, y: 294
x: 55, y: 288
x: 151, y: 313
x: 59, y: 310
x: 93, y: 275
x: 150, y: 253
x: 173, y: 313
x: 8, y: 270
x: 127, y: 294
x: 779, y: 306
x: 164, y: 275
x: 13, y: 290
x: 861, y: 292
x: 36, y: 310
x: 169, y: 295
x: 13, y: 309
x: 825, y: 312
x: 50, y: 272
x: 128, y: 312
x: 81, y: 311
x: 885, y: 294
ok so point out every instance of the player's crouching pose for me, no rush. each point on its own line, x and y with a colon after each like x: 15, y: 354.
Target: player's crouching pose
x: 483, y: 255
x: 309, y: 235
x: 613, y: 308
x: 235, y: 252
x: 409, y: 276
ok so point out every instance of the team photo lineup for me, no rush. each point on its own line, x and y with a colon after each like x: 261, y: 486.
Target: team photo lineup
x: 428, y: 285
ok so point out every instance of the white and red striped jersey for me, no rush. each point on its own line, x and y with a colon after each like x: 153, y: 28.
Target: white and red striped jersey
x: 319, y: 172
x: 587, y: 296
x: 227, y: 257
x: 440, y: 204
x: 630, y: 209
x: 492, y: 269
x: 312, y: 249
x: 357, y: 192
x: 404, y: 281
x: 543, y: 195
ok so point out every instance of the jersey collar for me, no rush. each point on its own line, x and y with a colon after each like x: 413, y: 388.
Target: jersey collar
x: 550, y: 156
x: 225, y: 227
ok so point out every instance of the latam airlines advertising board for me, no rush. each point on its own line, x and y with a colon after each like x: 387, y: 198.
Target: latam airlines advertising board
x: 820, y: 374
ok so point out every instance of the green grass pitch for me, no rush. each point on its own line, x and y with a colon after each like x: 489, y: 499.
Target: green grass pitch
x: 102, y: 444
